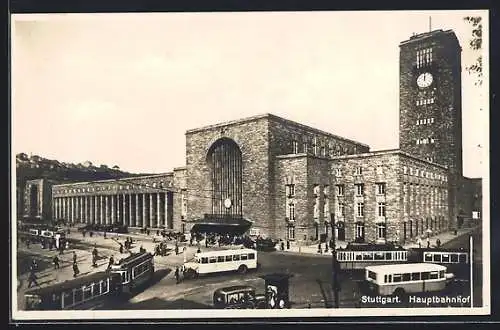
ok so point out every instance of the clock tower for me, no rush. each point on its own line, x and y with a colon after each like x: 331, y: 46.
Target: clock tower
x: 430, y: 104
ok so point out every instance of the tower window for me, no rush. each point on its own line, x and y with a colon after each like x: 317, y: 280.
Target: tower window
x: 381, y: 209
x: 359, y: 170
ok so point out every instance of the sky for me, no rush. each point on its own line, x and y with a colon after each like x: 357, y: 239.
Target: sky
x: 122, y: 89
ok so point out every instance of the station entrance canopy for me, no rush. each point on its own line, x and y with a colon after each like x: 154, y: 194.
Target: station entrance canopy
x: 221, y: 224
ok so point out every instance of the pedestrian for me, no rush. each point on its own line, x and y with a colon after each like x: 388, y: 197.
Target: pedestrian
x: 76, y: 271
x: 104, y: 234
x: 111, y: 262
x: 428, y: 242
x: 198, y: 251
x: 55, y: 260
x: 177, y: 276
x: 34, y: 265
x: 74, y: 257
x: 121, y: 248
x: 157, y: 232
x: 419, y: 242
x: 282, y: 246
x: 32, y: 279
x: 320, y: 251
x: 438, y: 243
x: 287, y: 244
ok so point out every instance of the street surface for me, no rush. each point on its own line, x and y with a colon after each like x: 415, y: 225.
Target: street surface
x: 310, y: 286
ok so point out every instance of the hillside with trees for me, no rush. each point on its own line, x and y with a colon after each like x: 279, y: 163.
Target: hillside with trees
x: 36, y: 167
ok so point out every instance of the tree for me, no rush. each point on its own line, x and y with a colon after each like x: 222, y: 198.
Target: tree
x: 476, y: 44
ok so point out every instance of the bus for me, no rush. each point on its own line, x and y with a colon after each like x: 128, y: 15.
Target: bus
x: 134, y: 270
x: 240, y: 260
x: 399, y: 279
x: 360, y: 256
x: 87, y: 292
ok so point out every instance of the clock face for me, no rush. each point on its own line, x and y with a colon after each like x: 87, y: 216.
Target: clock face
x: 424, y: 80
x: 228, y: 203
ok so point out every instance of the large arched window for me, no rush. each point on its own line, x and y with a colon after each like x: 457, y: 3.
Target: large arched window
x: 224, y: 159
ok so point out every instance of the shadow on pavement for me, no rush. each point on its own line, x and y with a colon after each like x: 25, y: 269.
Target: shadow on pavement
x: 156, y: 303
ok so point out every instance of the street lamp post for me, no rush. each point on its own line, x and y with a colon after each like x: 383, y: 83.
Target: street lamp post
x: 335, y: 282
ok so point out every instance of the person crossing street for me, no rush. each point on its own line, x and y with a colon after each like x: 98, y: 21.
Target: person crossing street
x: 177, y: 275
x: 55, y: 260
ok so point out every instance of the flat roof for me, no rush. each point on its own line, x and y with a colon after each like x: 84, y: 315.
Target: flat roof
x: 405, y: 268
x: 124, y: 179
x: 276, y: 118
x: 425, y: 35
x: 224, y: 252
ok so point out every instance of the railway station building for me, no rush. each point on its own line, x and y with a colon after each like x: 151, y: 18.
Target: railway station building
x: 270, y: 176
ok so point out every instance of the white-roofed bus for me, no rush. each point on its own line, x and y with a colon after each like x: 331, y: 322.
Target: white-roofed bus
x: 399, y: 279
x: 240, y: 260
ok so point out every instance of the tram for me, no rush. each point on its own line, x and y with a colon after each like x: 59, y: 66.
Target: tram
x: 358, y: 256
x: 94, y: 290
x: 456, y: 260
x: 134, y: 270
x: 86, y: 292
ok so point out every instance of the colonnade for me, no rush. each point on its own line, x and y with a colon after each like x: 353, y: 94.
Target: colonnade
x: 152, y: 210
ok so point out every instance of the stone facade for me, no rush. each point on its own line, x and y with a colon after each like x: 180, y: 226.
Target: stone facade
x: 37, y: 200
x: 144, y: 201
x: 261, y: 140
x: 431, y: 116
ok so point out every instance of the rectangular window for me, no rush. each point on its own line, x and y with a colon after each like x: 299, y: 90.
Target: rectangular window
x: 229, y: 258
x: 372, y: 275
x: 434, y: 275
x: 295, y: 147
x: 359, y: 189
x: 415, y: 276
x: 236, y: 257
x: 290, y: 190
x: 396, y: 278
x: 360, y: 209
x: 244, y: 257
x: 381, y: 231
x: 360, y: 230
x: 291, y: 232
x: 436, y: 258
x: 220, y: 259
x: 204, y: 260
x: 251, y: 256
x: 380, y: 188
x: 212, y: 260
x: 340, y: 190
x: 304, y: 147
x: 425, y: 276
x: 338, y: 172
x: 359, y: 170
x: 291, y: 211
x: 381, y: 209
x: 341, y: 209
x: 406, y: 277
